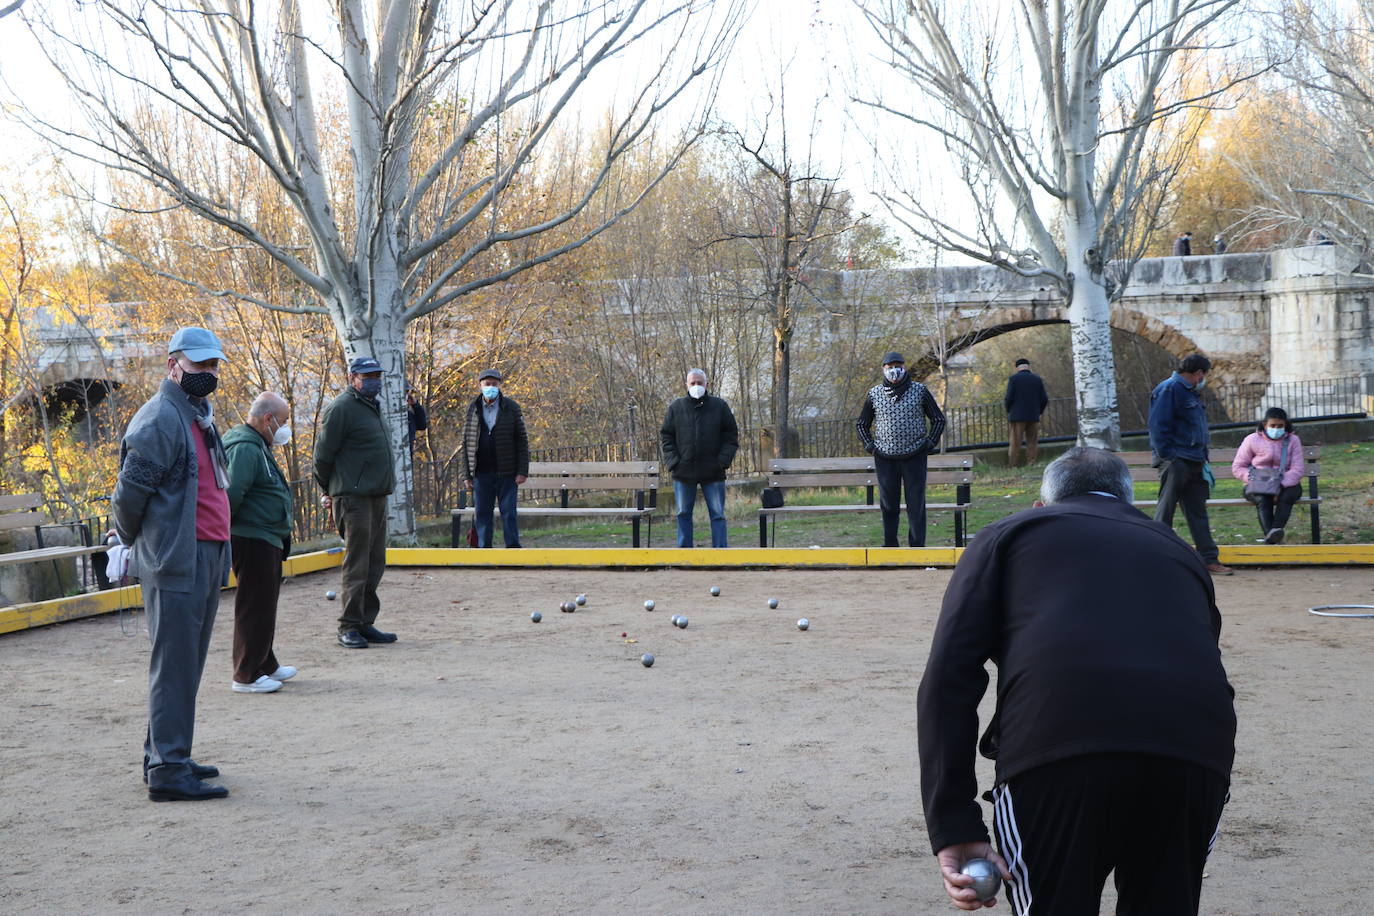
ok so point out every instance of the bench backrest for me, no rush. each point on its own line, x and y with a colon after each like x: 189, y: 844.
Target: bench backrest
x: 860, y: 472
x: 1140, y: 462
x: 592, y: 475
x: 26, y: 517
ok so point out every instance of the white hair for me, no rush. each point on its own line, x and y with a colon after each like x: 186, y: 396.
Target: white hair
x: 1085, y: 470
x: 269, y: 403
x: 700, y: 372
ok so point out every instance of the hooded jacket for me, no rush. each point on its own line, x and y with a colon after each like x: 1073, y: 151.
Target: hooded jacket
x: 259, y: 497
x: 699, y: 439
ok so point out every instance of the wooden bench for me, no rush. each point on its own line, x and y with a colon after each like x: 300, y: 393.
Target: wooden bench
x: 566, y: 477
x: 1221, y: 458
x: 21, y: 511
x: 800, y: 473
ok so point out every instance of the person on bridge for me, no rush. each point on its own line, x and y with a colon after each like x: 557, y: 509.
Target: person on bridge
x: 1183, y: 245
x: 1270, y: 463
x: 1025, y: 401
x: 171, y: 508
x: 1179, y: 437
x: 899, y: 424
x: 494, y: 459
x: 699, y: 437
x: 355, y: 467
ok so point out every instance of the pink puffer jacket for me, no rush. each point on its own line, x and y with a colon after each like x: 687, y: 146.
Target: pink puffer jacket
x: 1262, y: 452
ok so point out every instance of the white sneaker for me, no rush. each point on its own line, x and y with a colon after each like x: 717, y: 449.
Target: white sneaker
x: 263, y: 684
x: 284, y: 673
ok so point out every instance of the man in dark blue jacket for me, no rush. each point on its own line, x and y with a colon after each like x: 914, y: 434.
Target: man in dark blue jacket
x: 1024, y: 401
x: 1179, y: 437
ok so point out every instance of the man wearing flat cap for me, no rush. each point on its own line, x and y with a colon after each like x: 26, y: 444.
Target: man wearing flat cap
x: 171, y: 509
x: 355, y: 467
x: 494, y: 459
x: 900, y: 423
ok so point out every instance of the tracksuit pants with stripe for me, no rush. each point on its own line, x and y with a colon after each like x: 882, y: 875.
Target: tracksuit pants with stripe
x: 1065, y: 826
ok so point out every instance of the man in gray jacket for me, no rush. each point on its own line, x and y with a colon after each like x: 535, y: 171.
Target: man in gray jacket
x: 899, y: 424
x: 171, y: 508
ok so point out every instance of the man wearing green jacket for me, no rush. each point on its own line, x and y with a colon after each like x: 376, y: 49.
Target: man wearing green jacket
x: 355, y: 467
x: 260, y: 538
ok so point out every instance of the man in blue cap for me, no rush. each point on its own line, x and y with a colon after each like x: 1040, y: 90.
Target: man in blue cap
x: 355, y: 467
x: 171, y: 508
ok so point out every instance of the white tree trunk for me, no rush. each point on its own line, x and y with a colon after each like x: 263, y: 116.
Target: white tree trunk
x: 1090, y: 337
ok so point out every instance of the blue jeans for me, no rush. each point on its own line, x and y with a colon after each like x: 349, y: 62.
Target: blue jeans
x: 487, y: 491
x: 686, y: 496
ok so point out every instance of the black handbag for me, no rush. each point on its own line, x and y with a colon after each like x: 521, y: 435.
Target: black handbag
x: 1267, y: 481
x: 771, y: 497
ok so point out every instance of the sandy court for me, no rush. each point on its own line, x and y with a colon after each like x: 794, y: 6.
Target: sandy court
x: 486, y: 764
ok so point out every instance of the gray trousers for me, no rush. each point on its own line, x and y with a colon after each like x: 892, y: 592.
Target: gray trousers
x: 179, y: 626
x: 362, y: 525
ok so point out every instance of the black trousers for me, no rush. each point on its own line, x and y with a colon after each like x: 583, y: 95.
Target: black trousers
x: 894, y: 474
x: 1274, y: 511
x: 1181, y: 484
x: 257, y: 567
x: 1063, y: 827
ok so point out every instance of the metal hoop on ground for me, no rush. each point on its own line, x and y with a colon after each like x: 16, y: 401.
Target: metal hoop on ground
x: 1328, y: 610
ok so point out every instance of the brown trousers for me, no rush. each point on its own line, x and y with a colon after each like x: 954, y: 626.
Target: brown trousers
x: 257, y: 566
x: 362, y: 525
x: 1031, y: 433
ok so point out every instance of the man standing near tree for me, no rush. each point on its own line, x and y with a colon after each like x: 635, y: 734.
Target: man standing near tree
x: 355, y: 468
x: 1025, y: 401
x: 171, y: 508
x: 900, y: 423
x: 494, y: 459
x: 699, y: 437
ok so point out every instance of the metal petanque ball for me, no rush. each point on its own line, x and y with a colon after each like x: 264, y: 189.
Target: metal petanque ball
x: 715, y: 591
x: 803, y: 624
x: 649, y: 605
x: 772, y: 602
x: 986, y: 880
x: 581, y: 600
x: 647, y: 660
x: 536, y: 617
x: 673, y: 619
x: 567, y: 607
x: 330, y: 596
x: 681, y: 622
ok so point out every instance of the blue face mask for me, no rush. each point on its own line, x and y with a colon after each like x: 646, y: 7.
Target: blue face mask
x: 1274, y: 433
x: 490, y: 392
x: 371, y: 387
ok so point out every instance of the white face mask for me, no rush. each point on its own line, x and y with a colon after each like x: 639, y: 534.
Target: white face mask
x: 282, y: 435
x: 697, y: 391
x: 894, y: 373
x: 1274, y: 433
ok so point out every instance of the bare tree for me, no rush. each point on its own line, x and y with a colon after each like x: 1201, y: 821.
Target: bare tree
x: 1316, y: 170
x: 10, y: 8
x: 1050, y: 114
x: 450, y: 111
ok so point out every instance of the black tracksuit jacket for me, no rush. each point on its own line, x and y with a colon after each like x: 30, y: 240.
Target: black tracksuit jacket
x: 1103, y: 626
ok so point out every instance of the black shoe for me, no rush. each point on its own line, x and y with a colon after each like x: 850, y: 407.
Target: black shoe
x: 198, y: 770
x: 372, y: 634
x: 187, y: 788
x: 352, y: 639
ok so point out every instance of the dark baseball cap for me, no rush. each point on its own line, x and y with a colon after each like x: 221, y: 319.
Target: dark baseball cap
x: 363, y: 365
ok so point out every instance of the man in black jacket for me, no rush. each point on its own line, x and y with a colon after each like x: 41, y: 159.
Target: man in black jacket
x: 699, y: 439
x: 494, y: 459
x: 1114, y: 730
x: 1025, y: 401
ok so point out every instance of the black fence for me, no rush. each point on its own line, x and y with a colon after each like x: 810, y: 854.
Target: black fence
x: 967, y: 427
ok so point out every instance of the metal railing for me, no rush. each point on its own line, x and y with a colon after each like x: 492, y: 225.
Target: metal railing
x: 967, y: 427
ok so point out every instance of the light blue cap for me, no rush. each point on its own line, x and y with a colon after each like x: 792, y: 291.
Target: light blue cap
x: 197, y: 343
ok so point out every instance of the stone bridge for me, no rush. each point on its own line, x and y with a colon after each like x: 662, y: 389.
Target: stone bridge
x: 1291, y: 315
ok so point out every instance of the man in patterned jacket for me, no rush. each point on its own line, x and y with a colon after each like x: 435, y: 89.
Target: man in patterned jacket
x: 899, y: 425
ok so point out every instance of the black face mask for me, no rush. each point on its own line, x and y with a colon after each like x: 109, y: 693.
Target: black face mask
x: 198, y: 384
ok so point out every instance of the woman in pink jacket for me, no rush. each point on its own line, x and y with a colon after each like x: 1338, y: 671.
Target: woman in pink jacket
x: 1263, y: 449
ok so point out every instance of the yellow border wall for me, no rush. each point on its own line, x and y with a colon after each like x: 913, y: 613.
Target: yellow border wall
x: 57, y: 610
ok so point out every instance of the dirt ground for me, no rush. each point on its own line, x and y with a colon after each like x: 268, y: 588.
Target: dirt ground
x: 486, y: 764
